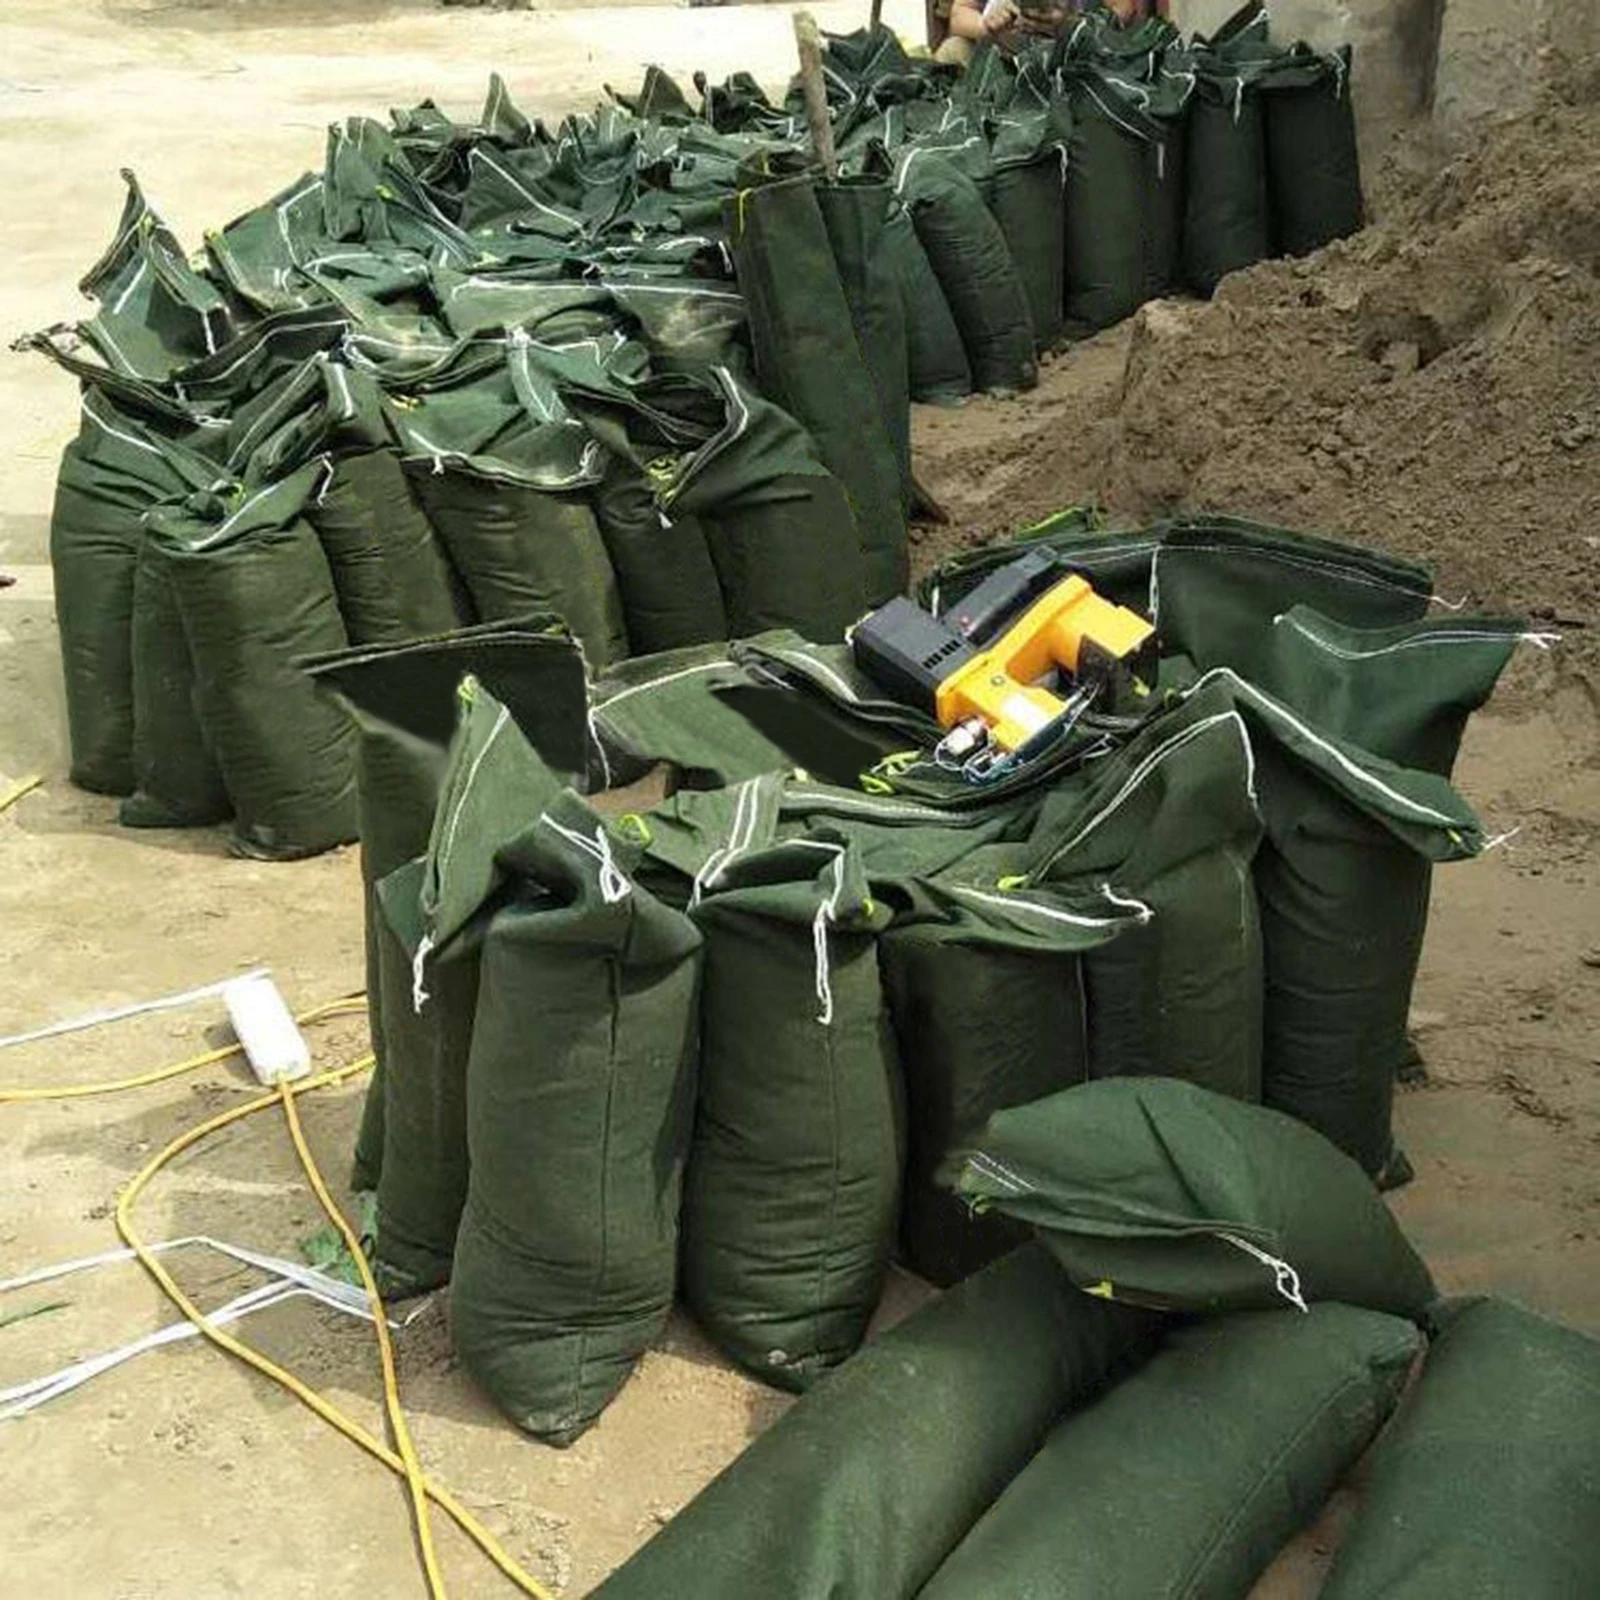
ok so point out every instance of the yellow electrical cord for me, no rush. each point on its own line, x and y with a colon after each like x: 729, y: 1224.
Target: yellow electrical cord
x: 333, y: 1008
x: 398, y: 1430
x: 329, y: 1413
x: 21, y: 787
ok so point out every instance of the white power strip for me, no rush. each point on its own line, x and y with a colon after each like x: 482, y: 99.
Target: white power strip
x: 266, y: 1029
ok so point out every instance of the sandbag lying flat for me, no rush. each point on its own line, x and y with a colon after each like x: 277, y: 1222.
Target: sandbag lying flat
x: 579, y: 1099
x: 794, y: 1180
x: 1488, y: 1484
x: 1158, y: 1192
x: 861, y: 1489
x: 1187, y: 1477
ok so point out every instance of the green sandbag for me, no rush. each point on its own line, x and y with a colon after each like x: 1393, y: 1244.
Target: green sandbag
x: 668, y: 582
x: 1169, y: 823
x: 391, y: 577
x: 1342, y: 881
x: 522, y: 548
x: 1028, y: 200
x: 794, y: 1178
x: 1189, y: 1476
x: 256, y: 596
x: 176, y: 780
x: 988, y: 1009
x: 1125, y: 194
x: 1405, y: 692
x: 856, y: 215
x: 968, y: 254
x: 1488, y: 1483
x: 938, y: 370
x: 404, y: 700
x: 115, y: 470
x: 579, y: 1101
x: 1165, y: 1194
x: 778, y: 525
x: 809, y: 362
x: 1220, y: 582
x: 1313, y: 165
x: 857, y: 1492
x: 1227, y: 221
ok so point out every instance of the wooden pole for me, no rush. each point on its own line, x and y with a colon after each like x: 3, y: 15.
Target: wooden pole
x: 808, y: 40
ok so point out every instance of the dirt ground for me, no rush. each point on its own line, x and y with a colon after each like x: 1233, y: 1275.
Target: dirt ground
x: 1296, y: 396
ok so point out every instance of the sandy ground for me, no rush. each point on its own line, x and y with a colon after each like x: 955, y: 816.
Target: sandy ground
x: 182, y: 1475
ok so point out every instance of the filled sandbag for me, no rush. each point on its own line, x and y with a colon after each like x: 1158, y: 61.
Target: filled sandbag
x: 809, y: 362
x: 1227, y: 219
x: 256, y: 596
x: 404, y: 701
x: 968, y: 254
x: 117, y: 469
x: 1313, y: 164
x: 938, y: 370
x: 1125, y: 193
x: 1169, y: 1195
x: 985, y: 988
x: 1488, y: 1482
x: 1190, y: 1475
x: 793, y: 1189
x: 1169, y: 823
x: 579, y: 1102
x: 856, y: 1492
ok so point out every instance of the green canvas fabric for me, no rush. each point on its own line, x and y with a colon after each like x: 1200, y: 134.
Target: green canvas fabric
x: 938, y: 372
x: 1313, y: 165
x: 1218, y: 583
x: 1028, y: 201
x: 1125, y: 193
x: 1403, y: 692
x: 1168, y: 823
x: 257, y: 255
x: 856, y: 212
x: 985, y: 989
x: 117, y: 468
x: 779, y: 528
x: 156, y: 313
x: 392, y: 579
x: 808, y: 361
x: 1165, y: 1194
x: 1227, y: 221
x: 793, y: 1186
x: 583, y: 1044
x: 857, y: 1491
x: 969, y: 257
x: 1342, y: 880
x: 671, y: 596
x: 256, y: 595
x: 176, y: 780
x: 404, y: 701
x: 1487, y: 1482
x: 1189, y: 1475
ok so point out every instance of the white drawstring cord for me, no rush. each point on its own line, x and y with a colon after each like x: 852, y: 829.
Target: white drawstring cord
x: 1285, y: 1279
x: 419, y: 992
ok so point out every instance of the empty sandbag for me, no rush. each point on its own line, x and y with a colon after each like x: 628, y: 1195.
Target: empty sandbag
x: 856, y: 1492
x: 582, y: 1042
x: 1488, y: 1482
x: 793, y: 1187
x: 256, y: 596
x: 1189, y: 1475
x: 1170, y: 1195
